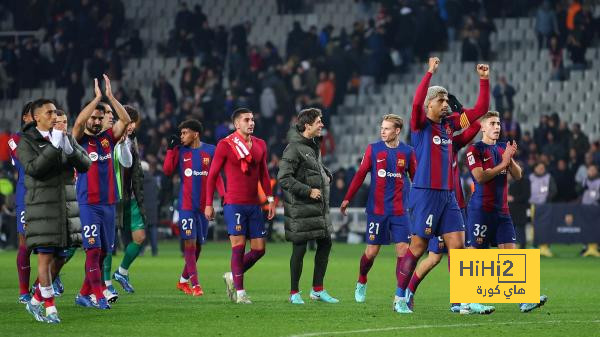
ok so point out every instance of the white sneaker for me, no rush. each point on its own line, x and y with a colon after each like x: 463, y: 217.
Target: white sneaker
x: 231, y: 292
x: 243, y: 299
x: 110, y: 296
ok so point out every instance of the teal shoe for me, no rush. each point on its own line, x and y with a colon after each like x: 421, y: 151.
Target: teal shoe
x: 52, y: 318
x: 36, y: 311
x: 296, y: 299
x: 455, y: 307
x: 360, y: 294
x: 527, y: 307
x: 476, y: 308
x: 401, y: 307
x: 410, y: 299
x: 322, y: 296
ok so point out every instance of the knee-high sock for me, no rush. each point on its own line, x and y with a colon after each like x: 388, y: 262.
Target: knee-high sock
x: 131, y: 252
x: 92, y: 271
x: 405, y: 266
x: 23, y: 269
x: 365, y: 266
x: 251, y: 257
x: 414, y: 282
x: 321, y: 261
x: 185, y: 273
x: 106, y: 263
x: 189, y: 254
x: 237, y: 266
x: 296, y: 262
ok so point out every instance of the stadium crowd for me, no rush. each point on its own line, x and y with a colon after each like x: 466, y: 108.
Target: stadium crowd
x: 318, y: 68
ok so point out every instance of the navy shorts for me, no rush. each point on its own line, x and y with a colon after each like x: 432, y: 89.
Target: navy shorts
x: 438, y: 246
x: 98, y: 226
x: 245, y: 220
x: 384, y: 229
x: 489, y: 228
x: 20, y: 212
x: 434, y: 213
x: 56, y: 251
x: 193, y: 225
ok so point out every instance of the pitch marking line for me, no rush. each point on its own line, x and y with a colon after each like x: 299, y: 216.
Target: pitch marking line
x: 429, y: 326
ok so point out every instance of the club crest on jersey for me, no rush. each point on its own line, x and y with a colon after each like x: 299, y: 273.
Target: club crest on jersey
x: 479, y: 240
x: 401, y: 162
x: 105, y: 143
x: 372, y: 237
x: 238, y: 228
x: 205, y: 160
x: 188, y: 232
x: 91, y: 241
x: 440, y: 245
x: 428, y: 231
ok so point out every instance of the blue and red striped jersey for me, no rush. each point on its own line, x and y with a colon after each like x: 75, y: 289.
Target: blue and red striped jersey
x: 492, y: 195
x: 13, y: 142
x: 390, y: 169
x: 98, y: 186
x: 433, y: 142
x: 194, y: 166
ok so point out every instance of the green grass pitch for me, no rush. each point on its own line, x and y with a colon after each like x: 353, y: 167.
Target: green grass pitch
x: 158, y: 309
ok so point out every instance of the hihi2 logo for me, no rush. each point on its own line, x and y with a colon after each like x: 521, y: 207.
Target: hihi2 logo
x: 495, y: 275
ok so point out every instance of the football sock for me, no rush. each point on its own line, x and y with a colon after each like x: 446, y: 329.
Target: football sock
x: 131, y: 252
x: 237, y: 266
x: 365, y: 266
x: 414, y: 282
x: 189, y: 254
x: 405, y: 266
x: 251, y: 257
x: 92, y: 269
x: 23, y: 269
x: 106, y: 262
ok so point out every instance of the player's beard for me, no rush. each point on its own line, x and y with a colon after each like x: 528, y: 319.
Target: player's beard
x: 92, y: 129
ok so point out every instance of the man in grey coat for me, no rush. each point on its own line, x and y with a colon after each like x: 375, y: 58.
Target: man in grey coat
x: 305, y: 183
x: 49, y: 157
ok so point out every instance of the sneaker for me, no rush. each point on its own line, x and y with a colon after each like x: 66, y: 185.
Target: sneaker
x: 111, y: 294
x: 322, y: 296
x: 103, y: 304
x: 296, y: 298
x: 476, y: 308
x: 360, y: 293
x: 527, y: 307
x: 401, y: 307
x: 124, y: 282
x: 52, y: 318
x: 231, y: 292
x: 545, y: 251
x: 58, y: 287
x: 85, y: 301
x: 24, y: 298
x: 197, y: 291
x: 185, y: 287
x: 243, y: 299
x: 37, y: 311
x: 410, y: 299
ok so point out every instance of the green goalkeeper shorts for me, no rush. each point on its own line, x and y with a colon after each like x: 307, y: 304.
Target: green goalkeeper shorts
x: 132, y: 218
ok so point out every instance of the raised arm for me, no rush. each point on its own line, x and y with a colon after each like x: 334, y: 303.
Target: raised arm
x: 357, y: 181
x: 462, y: 140
x: 482, y: 105
x: 418, y: 117
x: 513, y: 167
x: 84, y: 115
x: 171, y: 161
x: 124, y: 120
